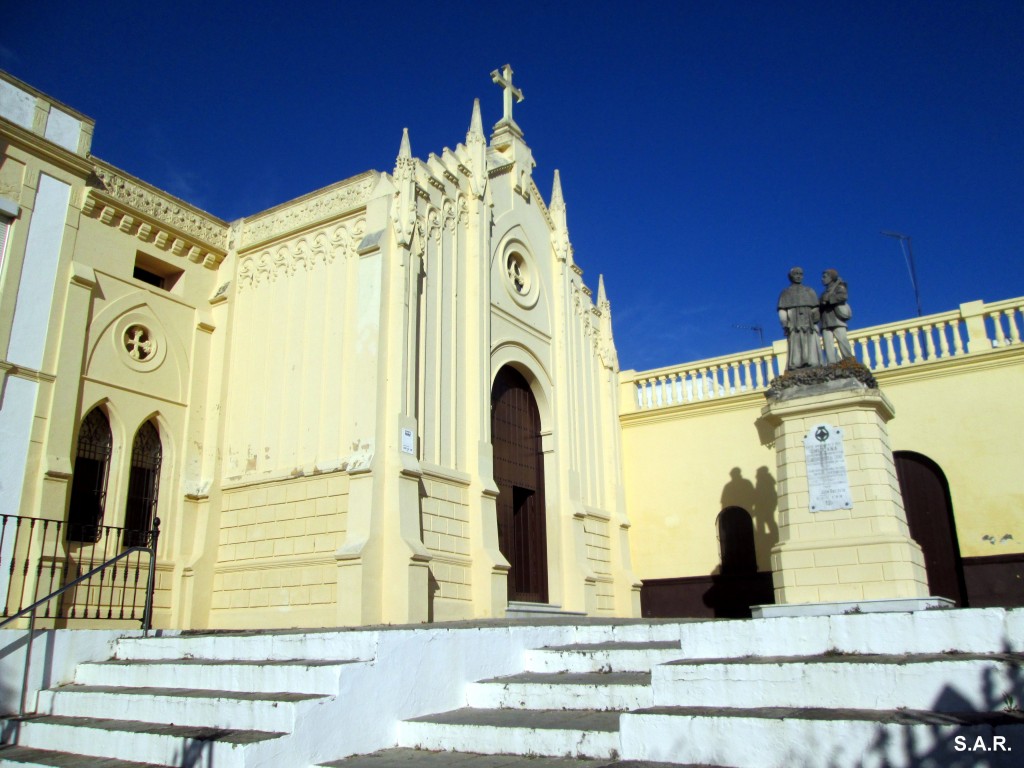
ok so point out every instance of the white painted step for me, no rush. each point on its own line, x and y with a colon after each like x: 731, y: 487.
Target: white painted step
x: 216, y: 709
x: 602, y: 657
x: 411, y: 758
x: 589, y: 690
x: 149, y: 743
x: 353, y: 644
x: 30, y: 757
x: 939, y: 631
x: 821, y: 738
x: 940, y: 683
x: 294, y: 676
x: 551, y: 733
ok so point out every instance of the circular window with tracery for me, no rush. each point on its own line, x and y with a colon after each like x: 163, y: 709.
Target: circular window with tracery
x: 518, y: 273
x: 139, y: 343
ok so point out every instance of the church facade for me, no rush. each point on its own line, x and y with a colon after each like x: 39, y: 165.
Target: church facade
x: 349, y: 409
x: 397, y: 400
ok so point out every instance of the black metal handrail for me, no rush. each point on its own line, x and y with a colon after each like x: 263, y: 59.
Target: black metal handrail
x: 30, y: 611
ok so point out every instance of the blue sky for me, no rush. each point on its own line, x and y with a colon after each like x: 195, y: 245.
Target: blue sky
x: 704, y: 148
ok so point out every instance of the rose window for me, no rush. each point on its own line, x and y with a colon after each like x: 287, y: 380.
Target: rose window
x: 138, y: 343
x: 518, y: 274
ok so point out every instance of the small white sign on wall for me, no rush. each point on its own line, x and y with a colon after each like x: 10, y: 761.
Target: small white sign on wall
x: 408, y: 442
x: 827, y: 481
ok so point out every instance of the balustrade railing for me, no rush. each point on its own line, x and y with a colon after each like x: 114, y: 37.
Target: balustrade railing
x: 37, y: 559
x: 974, y: 328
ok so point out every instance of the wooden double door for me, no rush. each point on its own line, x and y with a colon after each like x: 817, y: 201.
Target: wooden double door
x: 519, y: 474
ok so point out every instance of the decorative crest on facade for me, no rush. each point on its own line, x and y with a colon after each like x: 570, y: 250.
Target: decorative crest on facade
x: 303, y: 255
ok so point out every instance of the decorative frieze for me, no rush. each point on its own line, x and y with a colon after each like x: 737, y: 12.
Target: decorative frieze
x: 321, y: 247
x: 326, y: 204
x: 164, y: 209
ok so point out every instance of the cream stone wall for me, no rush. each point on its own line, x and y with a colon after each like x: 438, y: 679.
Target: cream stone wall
x: 688, y: 428
x: 275, y: 552
x: 447, y: 535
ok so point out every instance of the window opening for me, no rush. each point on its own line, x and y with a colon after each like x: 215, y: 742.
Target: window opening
x: 143, y: 485
x: 148, y: 277
x: 89, y: 481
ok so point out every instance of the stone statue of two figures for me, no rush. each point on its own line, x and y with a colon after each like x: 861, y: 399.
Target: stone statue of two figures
x: 801, y: 311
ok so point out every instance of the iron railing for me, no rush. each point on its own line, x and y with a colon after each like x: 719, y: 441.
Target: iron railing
x: 39, y: 542
x: 39, y: 556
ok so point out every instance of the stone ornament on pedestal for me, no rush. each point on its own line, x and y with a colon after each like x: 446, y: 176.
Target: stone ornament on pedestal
x: 843, y: 535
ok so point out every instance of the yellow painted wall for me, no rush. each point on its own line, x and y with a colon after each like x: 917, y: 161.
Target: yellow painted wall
x: 962, y: 412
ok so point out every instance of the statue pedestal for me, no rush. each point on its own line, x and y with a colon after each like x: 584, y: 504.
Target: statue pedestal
x: 862, y: 550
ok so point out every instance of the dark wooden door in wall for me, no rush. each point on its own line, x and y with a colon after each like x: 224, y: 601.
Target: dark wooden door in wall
x: 930, y: 517
x: 519, y: 473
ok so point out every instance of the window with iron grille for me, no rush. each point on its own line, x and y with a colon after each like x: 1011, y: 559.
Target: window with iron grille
x: 89, y: 481
x: 143, y: 485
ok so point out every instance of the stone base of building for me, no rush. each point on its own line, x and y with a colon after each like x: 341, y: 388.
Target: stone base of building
x: 862, y: 551
x: 521, y: 610
x: 903, y: 605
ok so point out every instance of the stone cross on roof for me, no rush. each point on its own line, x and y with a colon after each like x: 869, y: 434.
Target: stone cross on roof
x: 503, y: 77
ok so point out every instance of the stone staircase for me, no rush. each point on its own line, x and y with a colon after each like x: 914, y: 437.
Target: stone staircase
x: 885, y: 690
x: 183, y: 702
x: 930, y: 688
x: 568, y: 702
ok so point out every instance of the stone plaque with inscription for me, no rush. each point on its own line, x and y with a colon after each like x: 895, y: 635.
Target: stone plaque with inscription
x: 826, y: 469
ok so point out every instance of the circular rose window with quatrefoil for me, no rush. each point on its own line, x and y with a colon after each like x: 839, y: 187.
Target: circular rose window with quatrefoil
x: 519, y: 279
x: 139, y: 343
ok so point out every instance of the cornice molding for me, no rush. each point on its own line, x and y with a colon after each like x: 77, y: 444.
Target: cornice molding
x: 163, y: 207
x: 314, y: 208
x: 694, y: 409
x: 137, y: 208
x: 1004, y: 357
x: 7, y: 368
x: 45, y: 149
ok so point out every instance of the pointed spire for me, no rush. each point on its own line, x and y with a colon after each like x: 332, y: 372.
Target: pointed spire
x: 404, y: 164
x: 403, y: 211
x: 606, y: 340
x: 405, y: 150
x: 476, y: 125
x: 556, y: 193
x: 560, y: 234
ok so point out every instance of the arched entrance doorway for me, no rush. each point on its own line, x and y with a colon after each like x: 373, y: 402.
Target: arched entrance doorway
x: 519, y: 474
x: 930, y: 518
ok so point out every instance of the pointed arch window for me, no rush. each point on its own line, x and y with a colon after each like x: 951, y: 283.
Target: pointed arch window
x: 89, y: 481
x: 143, y: 485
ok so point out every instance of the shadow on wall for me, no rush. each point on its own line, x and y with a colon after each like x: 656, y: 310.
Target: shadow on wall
x: 761, y: 501
x: 747, y: 530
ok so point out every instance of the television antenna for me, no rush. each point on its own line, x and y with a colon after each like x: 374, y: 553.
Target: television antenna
x: 755, y: 328
x: 908, y: 254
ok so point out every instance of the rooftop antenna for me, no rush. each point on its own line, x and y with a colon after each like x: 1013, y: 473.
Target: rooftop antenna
x: 755, y: 328
x: 908, y: 254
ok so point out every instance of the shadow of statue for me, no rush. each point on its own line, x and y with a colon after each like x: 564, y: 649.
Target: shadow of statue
x: 738, y: 492
x: 766, y: 527
x: 736, y: 583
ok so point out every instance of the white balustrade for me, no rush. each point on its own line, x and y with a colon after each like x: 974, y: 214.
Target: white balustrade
x: 975, y: 328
